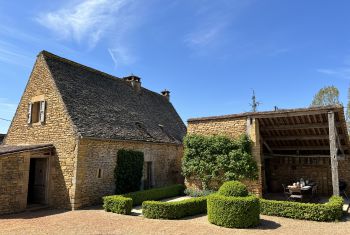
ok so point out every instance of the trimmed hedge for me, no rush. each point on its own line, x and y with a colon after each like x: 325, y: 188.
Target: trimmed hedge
x: 122, y: 204
x: 117, y: 204
x: 330, y: 211
x: 233, y: 212
x: 174, y: 210
x: 233, y: 189
x: 155, y: 194
x: 128, y: 171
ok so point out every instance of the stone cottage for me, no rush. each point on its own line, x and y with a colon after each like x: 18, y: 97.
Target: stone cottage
x: 289, y: 144
x: 61, y: 147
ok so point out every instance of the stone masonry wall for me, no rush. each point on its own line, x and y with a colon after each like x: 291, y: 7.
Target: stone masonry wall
x: 13, y: 182
x: 233, y: 128
x: 57, y: 130
x: 102, y: 154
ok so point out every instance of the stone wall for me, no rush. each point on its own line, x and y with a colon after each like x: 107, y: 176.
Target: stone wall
x: 58, y: 130
x: 13, y: 182
x: 102, y: 154
x: 233, y: 128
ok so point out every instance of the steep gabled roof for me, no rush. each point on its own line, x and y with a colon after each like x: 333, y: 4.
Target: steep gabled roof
x: 104, y: 106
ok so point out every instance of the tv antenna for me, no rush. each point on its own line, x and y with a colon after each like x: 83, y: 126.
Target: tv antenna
x: 254, y: 103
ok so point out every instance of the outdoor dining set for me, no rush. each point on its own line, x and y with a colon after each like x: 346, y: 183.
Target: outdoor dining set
x: 301, y: 190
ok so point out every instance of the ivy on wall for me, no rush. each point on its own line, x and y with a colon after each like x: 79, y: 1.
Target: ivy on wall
x: 218, y: 158
x: 128, y: 171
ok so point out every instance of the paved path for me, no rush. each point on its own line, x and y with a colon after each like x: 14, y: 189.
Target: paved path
x: 96, y: 221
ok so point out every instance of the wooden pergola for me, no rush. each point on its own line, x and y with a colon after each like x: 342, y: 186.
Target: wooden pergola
x: 311, y: 132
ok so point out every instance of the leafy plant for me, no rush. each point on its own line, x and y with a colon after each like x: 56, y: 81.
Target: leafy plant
x: 218, y: 158
x: 328, y: 95
x: 197, y: 192
x: 155, y: 194
x: 174, y: 210
x: 128, y: 171
x: 233, y: 189
x: 117, y: 204
x: 331, y: 211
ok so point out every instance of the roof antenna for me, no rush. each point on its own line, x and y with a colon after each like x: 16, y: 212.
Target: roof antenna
x: 254, y: 103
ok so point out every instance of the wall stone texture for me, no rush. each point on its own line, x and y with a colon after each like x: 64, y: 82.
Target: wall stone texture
x: 102, y: 154
x: 57, y: 129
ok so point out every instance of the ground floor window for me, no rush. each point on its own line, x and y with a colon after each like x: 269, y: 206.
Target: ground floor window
x: 148, y: 175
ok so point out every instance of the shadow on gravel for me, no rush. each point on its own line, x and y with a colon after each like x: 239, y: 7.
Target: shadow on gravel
x: 267, y: 225
x: 33, y: 214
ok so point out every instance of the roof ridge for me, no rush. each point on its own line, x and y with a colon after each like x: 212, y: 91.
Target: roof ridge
x: 71, y: 62
x: 99, y: 72
x: 245, y: 114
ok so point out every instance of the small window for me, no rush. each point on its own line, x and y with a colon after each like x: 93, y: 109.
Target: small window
x: 36, y: 112
x: 99, y: 173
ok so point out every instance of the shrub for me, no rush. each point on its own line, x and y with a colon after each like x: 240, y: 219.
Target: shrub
x: 218, y: 158
x: 117, y: 204
x: 155, y: 194
x: 233, y: 189
x: 233, y: 212
x: 128, y: 171
x: 198, y: 193
x: 174, y: 210
x: 330, y: 211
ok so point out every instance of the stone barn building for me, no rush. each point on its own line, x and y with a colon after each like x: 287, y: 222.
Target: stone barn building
x: 61, y: 147
x: 309, y: 143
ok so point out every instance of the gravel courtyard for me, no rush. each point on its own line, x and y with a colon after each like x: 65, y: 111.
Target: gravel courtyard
x: 96, y: 221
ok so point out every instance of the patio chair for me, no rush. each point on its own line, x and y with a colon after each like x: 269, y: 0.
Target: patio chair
x: 342, y: 189
x: 296, y: 194
x: 286, y: 191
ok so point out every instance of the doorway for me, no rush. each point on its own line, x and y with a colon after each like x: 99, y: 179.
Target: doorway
x: 149, y: 176
x: 37, y: 184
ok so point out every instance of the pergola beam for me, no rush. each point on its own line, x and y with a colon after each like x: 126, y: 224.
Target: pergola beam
x: 295, y: 155
x: 296, y: 148
x: 296, y: 137
x: 333, y: 153
x: 297, y: 126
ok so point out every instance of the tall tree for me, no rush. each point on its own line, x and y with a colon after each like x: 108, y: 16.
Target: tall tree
x: 328, y: 95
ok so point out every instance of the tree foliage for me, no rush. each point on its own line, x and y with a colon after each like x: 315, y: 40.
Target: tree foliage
x: 218, y: 158
x: 328, y: 95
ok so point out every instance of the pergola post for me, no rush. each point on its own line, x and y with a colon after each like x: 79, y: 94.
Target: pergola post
x: 333, y: 153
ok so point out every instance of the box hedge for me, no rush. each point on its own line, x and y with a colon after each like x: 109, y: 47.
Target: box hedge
x: 155, y: 194
x: 233, y: 212
x: 329, y: 211
x: 122, y: 204
x: 117, y: 204
x: 174, y: 210
x: 233, y: 189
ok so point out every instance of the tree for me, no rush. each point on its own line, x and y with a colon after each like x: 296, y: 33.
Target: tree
x: 328, y: 95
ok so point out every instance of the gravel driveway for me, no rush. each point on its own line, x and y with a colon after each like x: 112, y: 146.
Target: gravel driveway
x: 96, y: 221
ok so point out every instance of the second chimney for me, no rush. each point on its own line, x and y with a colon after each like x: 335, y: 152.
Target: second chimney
x: 134, y: 81
x: 166, y: 94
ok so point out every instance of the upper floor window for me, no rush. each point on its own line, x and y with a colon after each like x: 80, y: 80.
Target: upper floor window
x: 36, y: 112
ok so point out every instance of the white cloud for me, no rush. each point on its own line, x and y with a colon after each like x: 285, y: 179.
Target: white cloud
x: 121, y: 56
x: 11, y: 54
x: 87, y: 21
x: 204, y: 36
x: 342, y: 72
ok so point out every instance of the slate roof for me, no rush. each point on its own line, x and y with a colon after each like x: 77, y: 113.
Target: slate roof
x: 7, y: 149
x: 107, y: 107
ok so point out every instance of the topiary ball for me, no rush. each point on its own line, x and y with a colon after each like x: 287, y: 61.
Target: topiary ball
x: 233, y: 189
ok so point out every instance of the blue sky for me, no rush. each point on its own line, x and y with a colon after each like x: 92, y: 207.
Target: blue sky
x: 209, y: 54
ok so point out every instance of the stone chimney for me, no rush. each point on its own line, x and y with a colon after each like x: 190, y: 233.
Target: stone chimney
x: 134, y: 81
x: 166, y: 94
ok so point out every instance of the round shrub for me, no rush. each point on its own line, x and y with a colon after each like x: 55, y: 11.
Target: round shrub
x: 233, y: 189
x: 233, y: 212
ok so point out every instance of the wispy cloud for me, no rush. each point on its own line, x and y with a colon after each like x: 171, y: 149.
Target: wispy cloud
x: 212, y: 20
x: 88, y: 21
x: 11, y: 54
x: 121, y: 55
x: 340, y: 72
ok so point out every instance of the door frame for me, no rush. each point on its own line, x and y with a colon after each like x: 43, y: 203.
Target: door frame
x: 47, y: 176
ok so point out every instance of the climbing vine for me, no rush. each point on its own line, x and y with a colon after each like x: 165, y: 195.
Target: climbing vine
x: 218, y: 158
